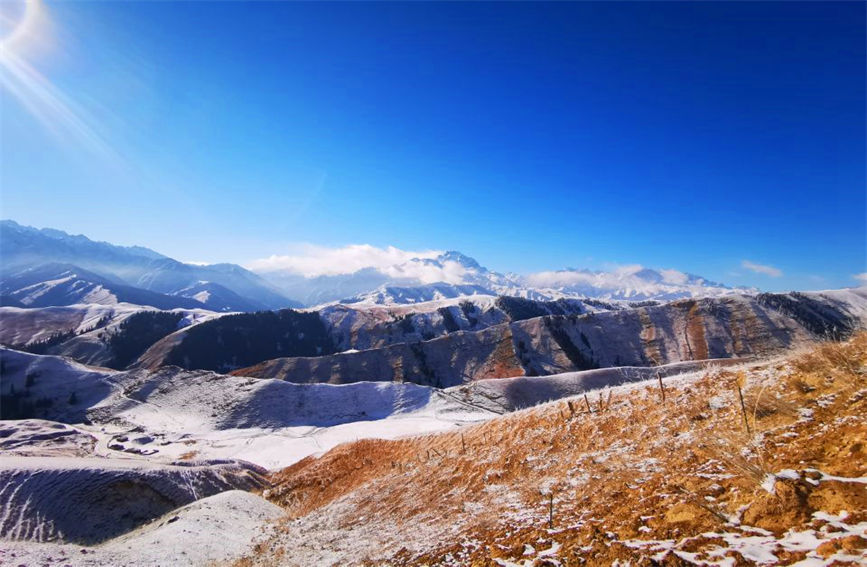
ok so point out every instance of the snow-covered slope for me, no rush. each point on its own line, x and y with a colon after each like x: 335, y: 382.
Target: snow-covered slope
x: 210, y: 531
x: 218, y: 298
x: 89, y: 500
x: 65, y: 284
x: 171, y: 413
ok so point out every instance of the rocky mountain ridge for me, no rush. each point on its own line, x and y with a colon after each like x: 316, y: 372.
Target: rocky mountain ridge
x: 683, y: 330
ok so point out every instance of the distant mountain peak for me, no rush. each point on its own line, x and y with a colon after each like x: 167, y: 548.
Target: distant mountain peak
x: 460, y: 258
x: 9, y: 227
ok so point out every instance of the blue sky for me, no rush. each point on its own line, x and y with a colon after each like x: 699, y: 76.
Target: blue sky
x: 531, y: 136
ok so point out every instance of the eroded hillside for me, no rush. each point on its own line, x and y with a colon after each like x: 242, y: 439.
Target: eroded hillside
x: 729, y: 327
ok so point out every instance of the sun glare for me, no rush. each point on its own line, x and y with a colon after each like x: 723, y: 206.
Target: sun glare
x: 19, y: 22
x: 57, y: 112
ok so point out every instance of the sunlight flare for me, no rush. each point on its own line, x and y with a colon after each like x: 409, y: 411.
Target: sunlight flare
x: 26, y: 29
x: 43, y: 100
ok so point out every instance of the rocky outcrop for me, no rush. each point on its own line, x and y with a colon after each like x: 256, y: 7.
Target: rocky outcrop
x: 373, y: 326
x: 454, y: 359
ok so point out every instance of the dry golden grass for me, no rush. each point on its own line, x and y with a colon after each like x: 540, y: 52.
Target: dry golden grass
x: 632, y: 468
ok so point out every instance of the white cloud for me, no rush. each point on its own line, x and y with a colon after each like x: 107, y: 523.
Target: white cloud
x: 628, y: 269
x: 559, y: 279
x: 311, y: 260
x: 618, y: 276
x: 449, y: 272
x: 762, y: 269
x: 196, y: 263
x: 862, y: 277
x: 674, y: 277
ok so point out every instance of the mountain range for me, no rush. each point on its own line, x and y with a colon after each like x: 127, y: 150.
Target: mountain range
x: 453, y: 274
x: 42, y: 267
x: 50, y: 267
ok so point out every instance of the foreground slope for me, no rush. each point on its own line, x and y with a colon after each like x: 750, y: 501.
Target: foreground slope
x: 86, y: 500
x: 622, y: 475
x: 212, y: 529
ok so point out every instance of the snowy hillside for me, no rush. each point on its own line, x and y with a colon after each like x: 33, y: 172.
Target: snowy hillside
x: 166, y: 414
x: 65, y: 284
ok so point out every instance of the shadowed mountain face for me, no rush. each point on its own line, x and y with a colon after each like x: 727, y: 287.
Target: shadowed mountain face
x: 219, y: 287
x: 647, y: 336
x: 250, y: 337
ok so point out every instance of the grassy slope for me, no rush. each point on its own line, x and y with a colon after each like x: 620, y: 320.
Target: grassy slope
x: 634, y: 478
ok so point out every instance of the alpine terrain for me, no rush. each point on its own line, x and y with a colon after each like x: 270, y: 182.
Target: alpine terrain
x: 158, y: 412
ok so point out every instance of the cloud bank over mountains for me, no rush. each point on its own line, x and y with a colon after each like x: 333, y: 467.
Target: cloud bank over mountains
x: 363, y: 272
x: 425, y: 266
x: 312, y: 261
x: 619, y: 274
x: 434, y: 266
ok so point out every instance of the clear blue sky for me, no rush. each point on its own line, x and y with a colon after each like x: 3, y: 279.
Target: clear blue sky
x: 530, y: 136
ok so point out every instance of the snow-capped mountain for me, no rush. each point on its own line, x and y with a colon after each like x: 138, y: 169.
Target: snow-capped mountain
x: 453, y: 274
x: 230, y: 287
x: 394, y: 295
x: 633, y: 283
x: 99, y: 272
